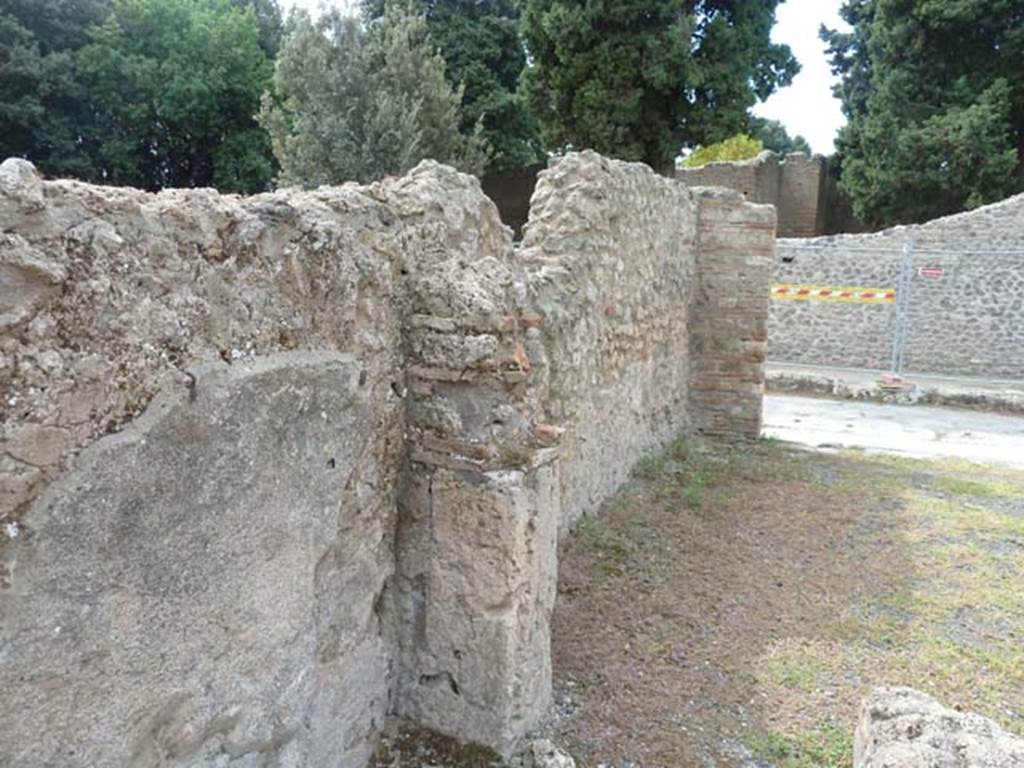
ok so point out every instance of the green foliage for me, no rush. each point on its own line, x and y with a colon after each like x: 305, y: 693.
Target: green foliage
x: 357, y: 102
x: 693, y: 492
x: 56, y: 25
x: 147, y: 93
x: 650, y: 467
x: 637, y: 80
x: 935, y: 101
x: 829, y: 747
x: 173, y: 86
x: 774, y: 136
x: 413, y: 746
x: 611, y: 549
x: 41, y: 104
x: 738, y: 147
x: 479, y: 40
x: 268, y: 17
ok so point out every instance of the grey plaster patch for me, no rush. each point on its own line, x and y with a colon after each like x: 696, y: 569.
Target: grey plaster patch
x: 168, y: 602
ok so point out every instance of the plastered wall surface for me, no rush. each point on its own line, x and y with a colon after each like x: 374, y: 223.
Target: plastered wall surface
x: 966, y: 312
x: 275, y: 469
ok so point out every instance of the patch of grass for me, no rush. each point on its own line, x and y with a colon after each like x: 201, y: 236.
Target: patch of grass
x: 957, y: 517
x: 831, y: 746
x: 768, y: 460
x: 803, y: 581
x: 948, y: 467
x: 414, y: 747
x: 797, y: 664
x: 650, y: 467
x: 677, y: 472
x: 953, y: 626
x: 694, y: 489
x: 611, y: 548
x: 679, y: 450
x: 960, y: 486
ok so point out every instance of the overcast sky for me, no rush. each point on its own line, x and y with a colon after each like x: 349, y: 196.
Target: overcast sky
x: 807, y: 106
x: 312, y: 5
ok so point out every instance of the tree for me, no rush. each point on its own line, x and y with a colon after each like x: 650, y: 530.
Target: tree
x: 738, y: 147
x: 483, y: 53
x: 935, y: 104
x: 173, y: 87
x: 355, y: 103
x: 150, y: 93
x: 774, y: 136
x: 268, y: 17
x: 42, y: 109
x: 638, y: 80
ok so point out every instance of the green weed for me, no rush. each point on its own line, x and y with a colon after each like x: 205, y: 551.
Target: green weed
x: 831, y: 746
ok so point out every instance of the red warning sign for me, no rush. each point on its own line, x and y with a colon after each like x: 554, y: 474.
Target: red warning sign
x: 932, y: 273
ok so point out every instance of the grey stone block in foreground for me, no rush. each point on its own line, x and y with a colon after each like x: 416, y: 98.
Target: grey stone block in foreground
x: 904, y: 728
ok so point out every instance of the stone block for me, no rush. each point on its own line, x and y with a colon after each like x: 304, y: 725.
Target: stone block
x: 904, y: 728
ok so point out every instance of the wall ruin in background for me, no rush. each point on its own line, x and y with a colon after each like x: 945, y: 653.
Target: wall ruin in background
x: 277, y: 468
x: 800, y: 187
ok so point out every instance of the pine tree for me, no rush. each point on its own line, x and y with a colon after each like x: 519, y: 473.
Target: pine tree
x: 484, y: 55
x: 933, y: 93
x: 638, y: 80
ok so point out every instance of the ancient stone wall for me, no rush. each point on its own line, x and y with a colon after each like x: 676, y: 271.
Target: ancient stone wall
x: 226, y: 552
x: 277, y: 468
x: 797, y: 185
x: 609, y: 255
x: 757, y: 179
x: 803, y: 195
x: 200, y: 451
x: 966, y: 314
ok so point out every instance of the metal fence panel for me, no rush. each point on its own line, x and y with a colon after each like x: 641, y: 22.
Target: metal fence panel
x: 899, y: 308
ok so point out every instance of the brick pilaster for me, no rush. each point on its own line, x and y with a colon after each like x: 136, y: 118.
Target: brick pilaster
x: 729, y: 314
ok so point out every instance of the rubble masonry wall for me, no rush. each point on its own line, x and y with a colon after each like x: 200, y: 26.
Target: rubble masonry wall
x: 275, y: 469
x: 965, y: 319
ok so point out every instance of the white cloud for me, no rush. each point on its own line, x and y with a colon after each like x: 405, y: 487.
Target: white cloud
x: 807, y: 107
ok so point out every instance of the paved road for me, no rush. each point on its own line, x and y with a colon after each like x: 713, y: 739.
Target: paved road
x: 911, y: 430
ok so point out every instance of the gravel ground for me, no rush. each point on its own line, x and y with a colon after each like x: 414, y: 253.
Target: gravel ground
x: 730, y: 607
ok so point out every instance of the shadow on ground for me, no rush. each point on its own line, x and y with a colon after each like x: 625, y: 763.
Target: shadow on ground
x: 730, y: 606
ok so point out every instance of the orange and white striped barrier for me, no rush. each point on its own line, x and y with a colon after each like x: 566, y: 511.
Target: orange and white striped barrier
x: 791, y: 292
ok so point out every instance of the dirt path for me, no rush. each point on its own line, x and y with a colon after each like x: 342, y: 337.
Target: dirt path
x: 730, y: 607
